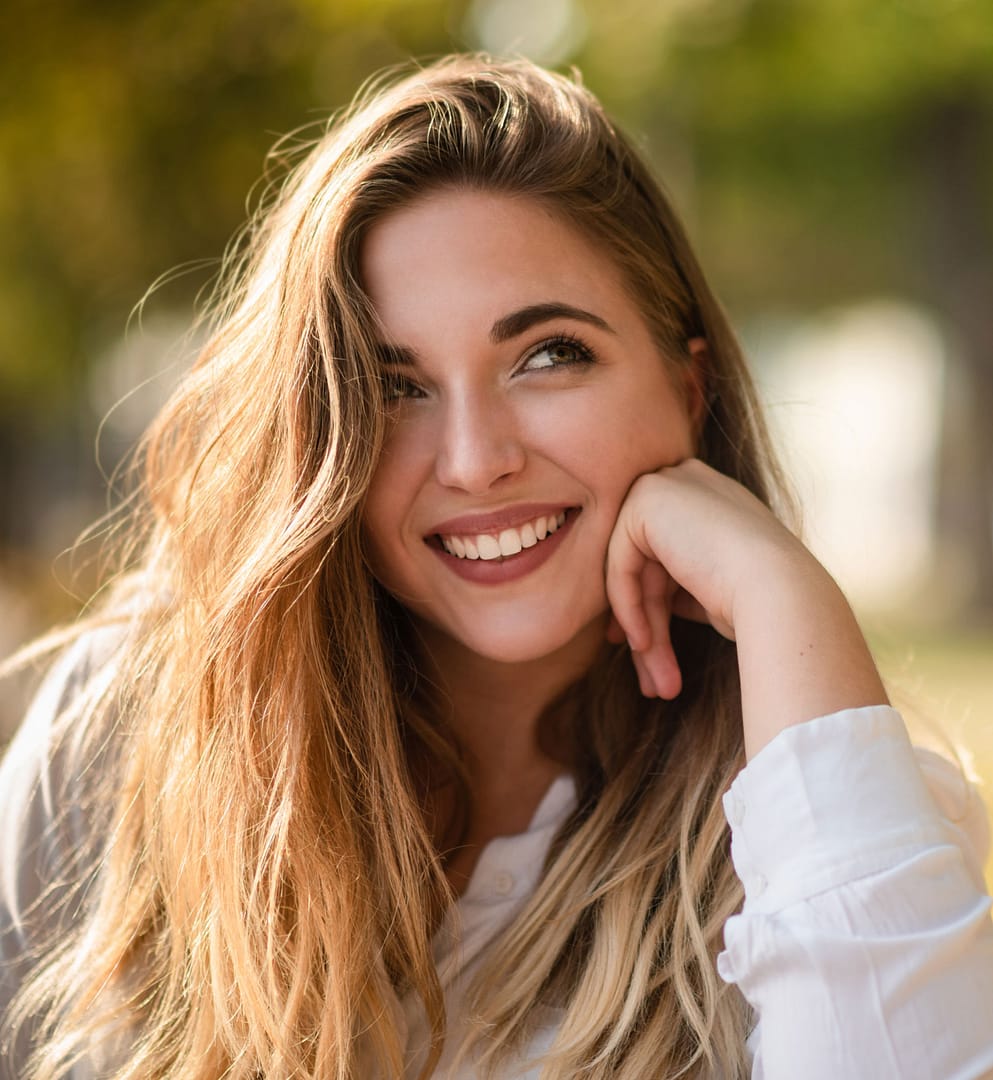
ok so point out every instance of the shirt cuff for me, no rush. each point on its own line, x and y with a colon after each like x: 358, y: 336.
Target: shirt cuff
x: 827, y: 802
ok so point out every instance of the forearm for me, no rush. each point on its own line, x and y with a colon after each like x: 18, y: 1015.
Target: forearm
x: 801, y: 653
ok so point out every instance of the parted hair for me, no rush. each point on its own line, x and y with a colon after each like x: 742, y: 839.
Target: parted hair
x: 263, y: 884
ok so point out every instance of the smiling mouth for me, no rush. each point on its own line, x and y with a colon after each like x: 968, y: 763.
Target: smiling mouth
x: 508, y: 542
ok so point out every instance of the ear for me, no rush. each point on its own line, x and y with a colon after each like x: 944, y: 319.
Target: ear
x: 695, y: 379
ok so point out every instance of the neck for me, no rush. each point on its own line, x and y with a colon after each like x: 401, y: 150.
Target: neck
x: 496, y: 706
x: 494, y: 711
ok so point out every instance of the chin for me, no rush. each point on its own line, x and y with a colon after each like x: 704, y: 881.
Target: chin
x: 513, y: 651
x: 535, y: 640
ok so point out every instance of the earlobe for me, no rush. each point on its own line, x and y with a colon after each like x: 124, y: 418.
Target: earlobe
x: 696, y: 378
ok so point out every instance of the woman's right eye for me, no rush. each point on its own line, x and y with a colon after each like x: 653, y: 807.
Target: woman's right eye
x: 398, y: 387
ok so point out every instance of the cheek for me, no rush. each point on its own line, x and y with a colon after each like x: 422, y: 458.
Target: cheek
x: 377, y: 558
x: 398, y: 471
x: 658, y: 430
x: 613, y: 439
x: 382, y: 515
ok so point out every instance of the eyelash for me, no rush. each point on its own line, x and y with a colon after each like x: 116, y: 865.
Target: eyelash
x: 586, y: 356
x: 398, y: 387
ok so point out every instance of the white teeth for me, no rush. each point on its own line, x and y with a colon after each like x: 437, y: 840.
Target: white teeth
x: 487, y: 547
x: 510, y: 542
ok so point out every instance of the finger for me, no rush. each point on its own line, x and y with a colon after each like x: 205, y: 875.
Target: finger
x: 645, y: 683
x: 625, y: 564
x: 662, y: 670
x: 658, y: 590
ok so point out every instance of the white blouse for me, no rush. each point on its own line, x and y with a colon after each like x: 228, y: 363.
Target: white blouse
x: 865, y: 944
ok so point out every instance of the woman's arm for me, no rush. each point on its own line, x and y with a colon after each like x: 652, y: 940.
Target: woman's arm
x: 865, y: 944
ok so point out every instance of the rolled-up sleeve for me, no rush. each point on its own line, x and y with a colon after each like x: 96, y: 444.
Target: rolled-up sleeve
x: 865, y: 944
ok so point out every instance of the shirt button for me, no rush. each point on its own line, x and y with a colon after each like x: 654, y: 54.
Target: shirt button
x: 503, y: 883
x: 737, y: 811
x: 758, y: 885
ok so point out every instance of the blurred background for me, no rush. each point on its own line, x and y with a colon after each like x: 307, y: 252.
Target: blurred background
x: 833, y: 160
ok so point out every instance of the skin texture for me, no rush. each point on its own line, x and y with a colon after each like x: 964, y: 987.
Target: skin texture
x: 486, y: 426
x: 483, y: 431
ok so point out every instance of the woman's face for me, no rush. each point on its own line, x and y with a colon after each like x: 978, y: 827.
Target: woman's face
x: 527, y: 396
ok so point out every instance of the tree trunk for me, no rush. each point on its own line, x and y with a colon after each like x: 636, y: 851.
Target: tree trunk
x: 956, y: 244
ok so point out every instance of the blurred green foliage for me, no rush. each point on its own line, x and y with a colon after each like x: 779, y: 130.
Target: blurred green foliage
x: 135, y: 132
x: 821, y: 151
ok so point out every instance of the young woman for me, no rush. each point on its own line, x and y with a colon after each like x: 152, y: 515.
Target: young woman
x: 459, y: 629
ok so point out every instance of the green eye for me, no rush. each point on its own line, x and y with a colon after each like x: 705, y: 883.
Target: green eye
x: 559, y: 352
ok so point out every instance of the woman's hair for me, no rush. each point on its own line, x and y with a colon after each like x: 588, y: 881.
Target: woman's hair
x: 267, y: 886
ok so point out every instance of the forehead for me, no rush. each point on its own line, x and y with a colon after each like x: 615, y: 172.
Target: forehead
x: 485, y: 249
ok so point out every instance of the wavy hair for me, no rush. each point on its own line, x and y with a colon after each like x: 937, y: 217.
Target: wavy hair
x: 266, y: 885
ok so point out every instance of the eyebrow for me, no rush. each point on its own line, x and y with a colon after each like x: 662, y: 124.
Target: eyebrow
x: 518, y: 321
x: 506, y: 328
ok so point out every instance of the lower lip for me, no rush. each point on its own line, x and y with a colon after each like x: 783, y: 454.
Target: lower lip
x: 510, y: 567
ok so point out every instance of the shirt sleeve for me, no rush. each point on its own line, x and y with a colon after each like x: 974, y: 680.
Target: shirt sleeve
x: 865, y: 944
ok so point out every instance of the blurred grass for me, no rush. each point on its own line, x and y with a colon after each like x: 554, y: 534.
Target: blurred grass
x: 943, y: 679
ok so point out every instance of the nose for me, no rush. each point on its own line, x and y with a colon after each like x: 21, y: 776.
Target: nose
x: 479, y: 443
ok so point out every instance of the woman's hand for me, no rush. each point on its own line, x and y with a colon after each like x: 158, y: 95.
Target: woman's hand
x: 690, y: 541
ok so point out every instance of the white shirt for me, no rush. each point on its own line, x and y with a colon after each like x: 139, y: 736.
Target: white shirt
x: 865, y: 944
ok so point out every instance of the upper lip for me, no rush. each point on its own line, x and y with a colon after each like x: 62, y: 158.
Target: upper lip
x: 510, y: 517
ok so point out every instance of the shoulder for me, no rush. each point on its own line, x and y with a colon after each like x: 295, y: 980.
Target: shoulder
x: 53, y: 727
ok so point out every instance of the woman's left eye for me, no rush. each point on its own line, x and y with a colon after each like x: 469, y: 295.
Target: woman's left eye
x: 559, y: 352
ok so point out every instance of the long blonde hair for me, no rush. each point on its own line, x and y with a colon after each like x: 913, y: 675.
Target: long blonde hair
x: 266, y: 886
